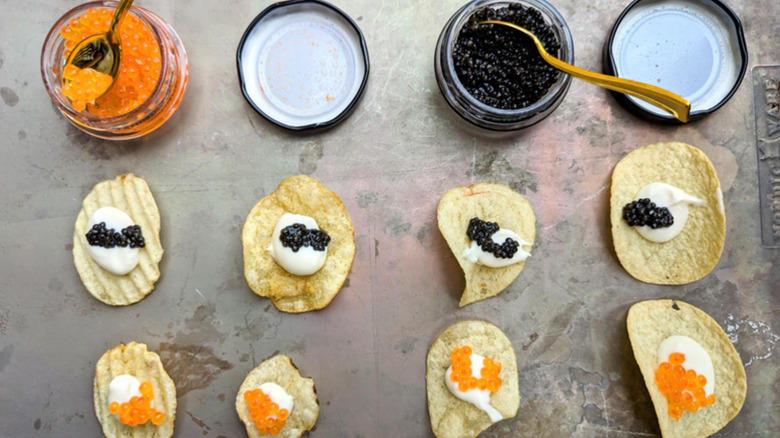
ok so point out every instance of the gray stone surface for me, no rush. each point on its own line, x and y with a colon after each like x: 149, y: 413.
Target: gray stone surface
x: 390, y: 162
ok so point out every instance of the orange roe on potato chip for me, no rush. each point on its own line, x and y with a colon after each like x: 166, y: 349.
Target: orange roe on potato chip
x: 266, y: 414
x: 138, y: 410
x: 463, y: 376
x: 683, y: 389
x: 139, y: 69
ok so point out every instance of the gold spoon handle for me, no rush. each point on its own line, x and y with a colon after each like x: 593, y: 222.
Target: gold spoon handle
x: 678, y: 106
x: 119, y: 14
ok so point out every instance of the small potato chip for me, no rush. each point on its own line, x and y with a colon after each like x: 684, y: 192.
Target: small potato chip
x: 490, y: 202
x: 280, y: 369
x: 649, y: 323
x: 134, y: 359
x: 288, y: 292
x: 131, y: 195
x: 694, y: 252
x: 450, y: 416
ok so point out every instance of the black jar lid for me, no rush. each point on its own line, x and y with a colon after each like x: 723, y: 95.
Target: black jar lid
x: 694, y: 48
x: 303, y: 64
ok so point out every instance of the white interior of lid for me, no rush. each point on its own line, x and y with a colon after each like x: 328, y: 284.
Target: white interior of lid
x: 302, y: 64
x: 687, y: 47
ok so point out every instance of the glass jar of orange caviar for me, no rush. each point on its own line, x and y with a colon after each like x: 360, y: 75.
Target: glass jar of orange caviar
x: 152, y: 79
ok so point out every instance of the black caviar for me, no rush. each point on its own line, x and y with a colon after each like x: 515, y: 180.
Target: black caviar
x: 500, y: 66
x: 297, y: 235
x: 644, y: 212
x: 131, y: 236
x: 480, y: 231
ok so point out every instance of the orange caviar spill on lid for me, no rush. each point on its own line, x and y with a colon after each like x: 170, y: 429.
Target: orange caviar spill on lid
x: 138, y: 410
x: 684, y: 389
x: 463, y: 376
x: 265, y: 413
x: 139, y: 69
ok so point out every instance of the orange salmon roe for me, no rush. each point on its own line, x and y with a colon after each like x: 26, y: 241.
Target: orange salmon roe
x: 82, y: 86
x: 138, y: 410
x: 265, y: 413
x: 684, y: 389
x: 462, y: 374
x: 139, y: 69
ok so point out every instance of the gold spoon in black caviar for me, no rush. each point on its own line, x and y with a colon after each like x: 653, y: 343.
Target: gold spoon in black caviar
x: 678, y: 106
x: 101, y: 52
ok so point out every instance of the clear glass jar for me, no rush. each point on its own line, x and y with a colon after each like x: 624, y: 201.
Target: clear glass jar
x: 489, y: 117
x: 149, y: 115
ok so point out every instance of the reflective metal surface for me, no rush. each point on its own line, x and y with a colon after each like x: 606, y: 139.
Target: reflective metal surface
x: 390, y: 162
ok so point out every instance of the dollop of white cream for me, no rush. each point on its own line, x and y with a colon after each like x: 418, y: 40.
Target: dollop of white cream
x: 478, y: 397
x: 696, y: 358
x: 123, y: 388
x: 719, y: 196
x: 676, y: 200
x: 306, y: 260
x: 117, y: 260
x: 278, y: 395
x: 475, y: 254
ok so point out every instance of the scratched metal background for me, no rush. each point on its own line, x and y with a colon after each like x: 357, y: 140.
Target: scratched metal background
x: 390, y: 162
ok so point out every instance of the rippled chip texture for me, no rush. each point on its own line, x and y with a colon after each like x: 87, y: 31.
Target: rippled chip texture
x: 454, y: 418
x: 280, y: 369
x: 145, y: 365
x: 694, y: 252
x: 649, y: 323
x: 288, y: 292
x: 491, y: 202
x: 131, y: 195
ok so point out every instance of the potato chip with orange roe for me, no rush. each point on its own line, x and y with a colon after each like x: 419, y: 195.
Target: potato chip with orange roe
x: 696, y: 414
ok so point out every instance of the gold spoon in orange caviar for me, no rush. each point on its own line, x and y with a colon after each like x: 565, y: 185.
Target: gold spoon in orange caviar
x: 678, y: 106
x: 101, y: 52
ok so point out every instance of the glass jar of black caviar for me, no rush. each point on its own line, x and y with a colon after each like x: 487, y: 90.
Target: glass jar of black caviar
x: 492, y: 75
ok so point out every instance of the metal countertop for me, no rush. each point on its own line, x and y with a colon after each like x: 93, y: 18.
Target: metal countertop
x: 390, y: 162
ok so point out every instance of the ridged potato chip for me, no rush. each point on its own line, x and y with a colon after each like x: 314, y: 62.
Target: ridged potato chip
x: 288, y: 292
x: 454, y: 418
x: 694, y: 252
x: 134, y: 359
x: 490, y: 202
x: 649, y: 323
x: 131, y: 195
x: 280, y: 370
